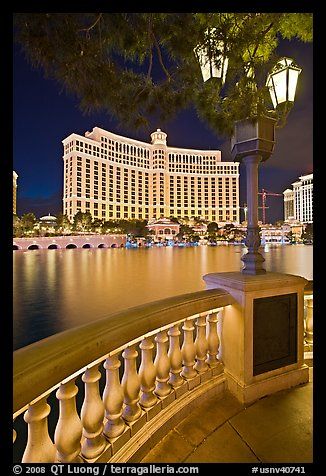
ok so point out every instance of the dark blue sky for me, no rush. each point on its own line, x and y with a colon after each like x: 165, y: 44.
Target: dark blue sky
x: 44, y: 115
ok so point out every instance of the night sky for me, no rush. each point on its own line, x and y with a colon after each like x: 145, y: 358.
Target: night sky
x: 44, y: 115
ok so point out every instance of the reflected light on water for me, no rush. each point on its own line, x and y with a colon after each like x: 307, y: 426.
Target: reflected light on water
x: 56, y: 290
x: 295, y: 259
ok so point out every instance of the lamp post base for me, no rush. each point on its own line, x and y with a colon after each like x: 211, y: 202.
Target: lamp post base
x: 253, y: 263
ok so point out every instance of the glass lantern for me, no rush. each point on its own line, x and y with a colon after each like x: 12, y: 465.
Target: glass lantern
x: 212, y: 63
x: 282, y: 81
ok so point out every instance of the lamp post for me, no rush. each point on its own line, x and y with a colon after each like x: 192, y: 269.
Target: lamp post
x: 261, y: 297
x: 253, y: 142
x: 253, y: 139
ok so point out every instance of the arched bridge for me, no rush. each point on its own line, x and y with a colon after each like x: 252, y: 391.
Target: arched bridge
x: 63, y: 242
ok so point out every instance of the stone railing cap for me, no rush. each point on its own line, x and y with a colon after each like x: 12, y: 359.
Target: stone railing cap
x: 245, y: 282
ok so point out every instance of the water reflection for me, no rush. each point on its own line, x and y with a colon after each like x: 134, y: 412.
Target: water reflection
x: 290, y: 259
x: 58, y: 289
x: 37, y: 299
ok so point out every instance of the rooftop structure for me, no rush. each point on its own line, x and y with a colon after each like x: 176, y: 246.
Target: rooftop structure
x: 51, y: 219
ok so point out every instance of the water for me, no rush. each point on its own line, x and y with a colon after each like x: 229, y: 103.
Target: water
x: 56, y: 290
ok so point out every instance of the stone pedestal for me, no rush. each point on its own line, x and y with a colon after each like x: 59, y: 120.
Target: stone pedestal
x: 262, y: 333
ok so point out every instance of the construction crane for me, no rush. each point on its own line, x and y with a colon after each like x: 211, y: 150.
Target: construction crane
x: 245, y: 210
x: 264, y: 193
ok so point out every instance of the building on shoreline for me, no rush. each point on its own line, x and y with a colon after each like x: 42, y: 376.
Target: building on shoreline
x: 47, y: 223
x: 14, y: 190
x: 116, y: 177
x: 288, y: 198
x: 164, y: 229
x: 271, y: 234
x: 298, y: 202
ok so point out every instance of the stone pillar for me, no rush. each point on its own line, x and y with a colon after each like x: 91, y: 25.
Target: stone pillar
x: 262, y: 332
x: 253, y: 260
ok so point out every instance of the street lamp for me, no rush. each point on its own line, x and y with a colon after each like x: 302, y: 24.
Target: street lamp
x: 212, y: 64
x: 252, y: 142
x: 282, y: 81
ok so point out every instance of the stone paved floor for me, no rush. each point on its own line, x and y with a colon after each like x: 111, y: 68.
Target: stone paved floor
x: 275, y: 429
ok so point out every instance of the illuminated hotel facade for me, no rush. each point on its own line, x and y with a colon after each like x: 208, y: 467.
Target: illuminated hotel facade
x: 298, y: 203
x: 116, y: 177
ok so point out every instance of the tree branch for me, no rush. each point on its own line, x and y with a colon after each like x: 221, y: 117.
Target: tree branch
x: 150, y: 64
x: 94, y: 24
x: 160, y: 57
x: 264, y: 33
x: 150, y: 51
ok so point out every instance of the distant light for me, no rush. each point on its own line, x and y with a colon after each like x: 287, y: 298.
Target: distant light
x: 282, y: 81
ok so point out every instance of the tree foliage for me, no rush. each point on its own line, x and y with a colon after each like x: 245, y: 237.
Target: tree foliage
x: 212, y: 227
x: 134, y: 227
x: 63, y: 221
x: 82, y: 221
x: 308, y: 233
x: 27, y: 222
x: 134, y: 65
x: 97, y: 224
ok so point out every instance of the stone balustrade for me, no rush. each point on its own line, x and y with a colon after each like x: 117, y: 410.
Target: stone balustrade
x: 119, y: 384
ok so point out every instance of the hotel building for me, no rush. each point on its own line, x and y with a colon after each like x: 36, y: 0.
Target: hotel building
x: 298, y: 202
x: 288, y: 196
x: 116, y: 177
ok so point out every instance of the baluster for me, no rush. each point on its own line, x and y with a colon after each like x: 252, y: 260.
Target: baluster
x: 201, y: 344
x: 40, y: 447
x: 113, y: 398
x: 162, y: 364
x: 68, y: 431
x: 92, y: 414
x: 175, y: 357
x: 14, y: 432
x: 131, y: 385
x: 147, y: 374
x: 188, y: 351
x: 309, y: 320
x: 212, y: 340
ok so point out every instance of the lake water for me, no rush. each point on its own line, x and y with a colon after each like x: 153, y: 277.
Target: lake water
x: 56, y: 290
